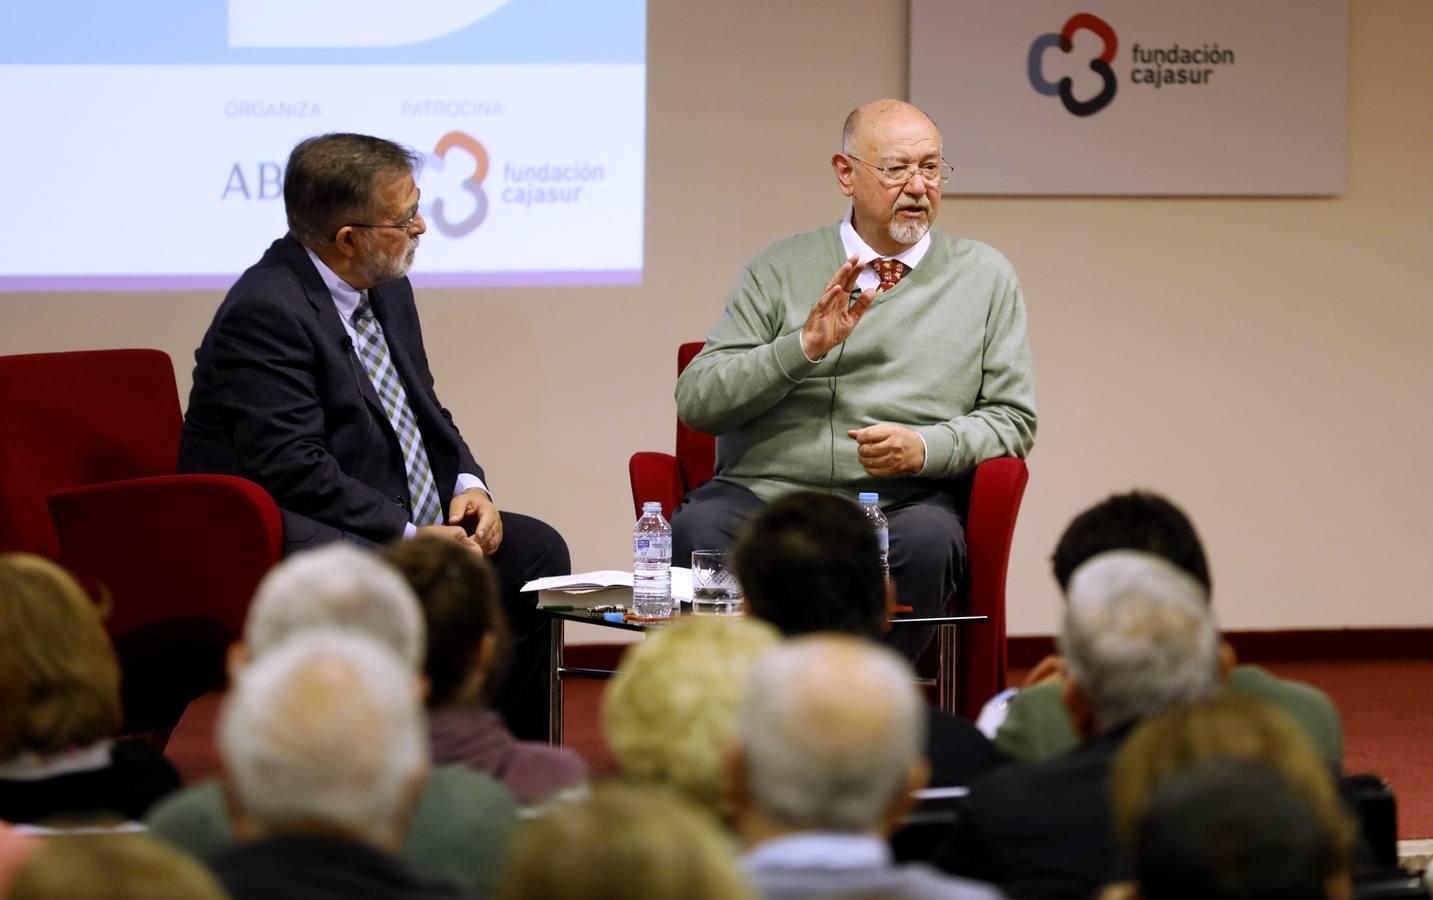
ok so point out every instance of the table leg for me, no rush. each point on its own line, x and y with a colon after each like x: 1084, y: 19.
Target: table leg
x: 554, y: 682
x: 945, y: 667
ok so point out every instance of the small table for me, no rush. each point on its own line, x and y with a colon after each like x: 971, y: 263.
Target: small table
x: 557, y: 671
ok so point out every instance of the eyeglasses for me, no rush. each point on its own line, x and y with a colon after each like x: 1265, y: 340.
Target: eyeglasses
x: 898, y: 175
x: 406, y: 225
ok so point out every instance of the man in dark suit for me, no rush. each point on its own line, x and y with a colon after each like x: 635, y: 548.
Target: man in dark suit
x: 313, y: 382
x: 808, y: 563
x: 1138, y: 637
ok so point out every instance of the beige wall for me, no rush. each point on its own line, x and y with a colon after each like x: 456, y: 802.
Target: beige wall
x: 1264, y: 362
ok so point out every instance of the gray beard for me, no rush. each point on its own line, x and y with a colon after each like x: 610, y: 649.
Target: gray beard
x: 908, y: 232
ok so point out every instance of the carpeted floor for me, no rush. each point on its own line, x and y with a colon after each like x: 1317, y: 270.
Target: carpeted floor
x: 1387, y: 717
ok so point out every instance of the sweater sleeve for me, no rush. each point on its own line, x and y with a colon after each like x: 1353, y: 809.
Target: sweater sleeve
x: 747, y: 365
x: 1003, y: 420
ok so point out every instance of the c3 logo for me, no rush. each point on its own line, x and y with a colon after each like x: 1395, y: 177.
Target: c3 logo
x: 473, y: 184
x: 1100, y: 64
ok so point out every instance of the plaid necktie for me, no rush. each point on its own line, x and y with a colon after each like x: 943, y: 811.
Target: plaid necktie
x: 891, y: 272
x: 373, y: 350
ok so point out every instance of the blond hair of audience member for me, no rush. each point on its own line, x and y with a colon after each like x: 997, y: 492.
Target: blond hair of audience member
x: 831, y: 737
x: 672, y: 706
x: 325, y: 733
x: 1228, y: 726
x: 624, y: 842
x: 339, y: 586
x: 1138, y: 637
x: 59, y: 677
x: 113, y: 867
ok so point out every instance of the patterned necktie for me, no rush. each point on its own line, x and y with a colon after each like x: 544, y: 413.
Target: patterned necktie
x: 891, y: 272
x: 373, y: 350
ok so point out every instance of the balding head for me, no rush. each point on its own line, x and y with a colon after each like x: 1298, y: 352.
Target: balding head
x: 336, y: 586
x: 832, y: 733
x: 324, y: 732
x: 1138, y: 638
x: 864, y: 123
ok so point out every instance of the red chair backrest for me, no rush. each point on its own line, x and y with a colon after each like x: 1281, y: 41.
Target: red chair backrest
x: 696, y: 451
x: 75, y: 418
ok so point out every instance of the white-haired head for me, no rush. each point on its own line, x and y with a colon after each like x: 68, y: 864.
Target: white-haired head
x: 831, y: 733
x: 1138, y: 637
x: 336, y: 586
x: 324, y: 731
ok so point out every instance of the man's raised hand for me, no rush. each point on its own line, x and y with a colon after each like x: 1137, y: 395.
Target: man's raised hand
x: 834, y: 316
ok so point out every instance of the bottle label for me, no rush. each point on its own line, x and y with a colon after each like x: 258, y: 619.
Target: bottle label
x: 656, y: 547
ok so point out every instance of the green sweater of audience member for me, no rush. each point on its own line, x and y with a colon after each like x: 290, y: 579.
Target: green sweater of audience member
x: 1037, y: 725
x: 943, y: 352
x: 459, y: 833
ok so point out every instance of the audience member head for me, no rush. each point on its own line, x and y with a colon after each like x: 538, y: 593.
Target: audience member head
x: 59, y: 678
x: 324, y: 733
x: 1235, y: 829
x: 831, y: 738
x: 1226, y: 726
x: 624, y: 842
x: 810, y: 563
x: 336, y: 586
x: 114, y: 867
x: 671, y: 708
x: 1139, y: 520
x: 467, y: 631
x: 333, y: 180
x: 1138, y: 638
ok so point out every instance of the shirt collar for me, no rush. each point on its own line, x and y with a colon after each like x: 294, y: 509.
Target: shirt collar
x: 820, y: 850
x: 345, y: 296
x: 858, y: 248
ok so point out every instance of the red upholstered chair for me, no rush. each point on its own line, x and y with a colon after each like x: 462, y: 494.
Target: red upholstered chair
x: 974, y: 668
x: 88, y: 446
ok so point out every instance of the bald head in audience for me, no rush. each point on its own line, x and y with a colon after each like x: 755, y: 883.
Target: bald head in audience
x: 324, y: 734
x: 830, y: 737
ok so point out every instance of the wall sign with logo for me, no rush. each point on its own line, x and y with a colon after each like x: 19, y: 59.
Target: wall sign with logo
x: 1173, y: 97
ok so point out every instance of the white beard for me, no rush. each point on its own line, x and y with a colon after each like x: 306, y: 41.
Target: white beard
x: 908, y: 232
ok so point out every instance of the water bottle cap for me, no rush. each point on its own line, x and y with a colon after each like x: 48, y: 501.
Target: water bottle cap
x: 868, y: 497
x: 652, y: 504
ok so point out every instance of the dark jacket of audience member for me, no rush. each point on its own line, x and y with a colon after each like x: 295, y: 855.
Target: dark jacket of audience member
x: 468, y: 646
x: 60, y: 706
x: 809, y: 563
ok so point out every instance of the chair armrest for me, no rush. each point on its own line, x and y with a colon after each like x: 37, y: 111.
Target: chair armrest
x: 656, y: 476
x: 171, y: 546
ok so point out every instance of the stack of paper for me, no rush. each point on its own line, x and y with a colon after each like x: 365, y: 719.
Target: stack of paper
x: 584, y: 590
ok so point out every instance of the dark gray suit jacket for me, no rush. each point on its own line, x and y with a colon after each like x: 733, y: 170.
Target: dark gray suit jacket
x: 281, y: 397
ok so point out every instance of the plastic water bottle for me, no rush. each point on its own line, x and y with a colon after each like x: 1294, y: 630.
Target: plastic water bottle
x: 652, y: 564
x: 871, y: 506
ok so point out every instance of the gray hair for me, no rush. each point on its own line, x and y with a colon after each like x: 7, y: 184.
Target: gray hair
x: 332, y: 180
x: 829, y: 730
x: 325, y: 729
x: 337, y: 586
x: 1138, y: 637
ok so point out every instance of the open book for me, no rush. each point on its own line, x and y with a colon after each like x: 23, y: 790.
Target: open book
x: 584, y: 590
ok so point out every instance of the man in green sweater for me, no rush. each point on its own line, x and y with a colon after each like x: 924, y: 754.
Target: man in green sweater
x: 902, y: 370
x: 1037, y: 725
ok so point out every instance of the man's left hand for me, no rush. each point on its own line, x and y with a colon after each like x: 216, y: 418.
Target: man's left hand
x: 475, y: 503
x: 886, y: 450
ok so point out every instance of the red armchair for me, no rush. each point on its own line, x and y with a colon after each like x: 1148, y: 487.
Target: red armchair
x: 88, y: 450
x: 974, y: 669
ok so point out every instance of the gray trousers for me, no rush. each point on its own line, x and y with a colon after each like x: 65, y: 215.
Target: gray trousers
x: 927, y: 552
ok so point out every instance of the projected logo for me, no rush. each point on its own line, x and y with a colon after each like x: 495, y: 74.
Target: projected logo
x: 1100, y: 65
x: 467, y: 151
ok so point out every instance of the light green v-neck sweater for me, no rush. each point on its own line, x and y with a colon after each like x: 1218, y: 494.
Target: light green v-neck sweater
x: 944, y: 352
